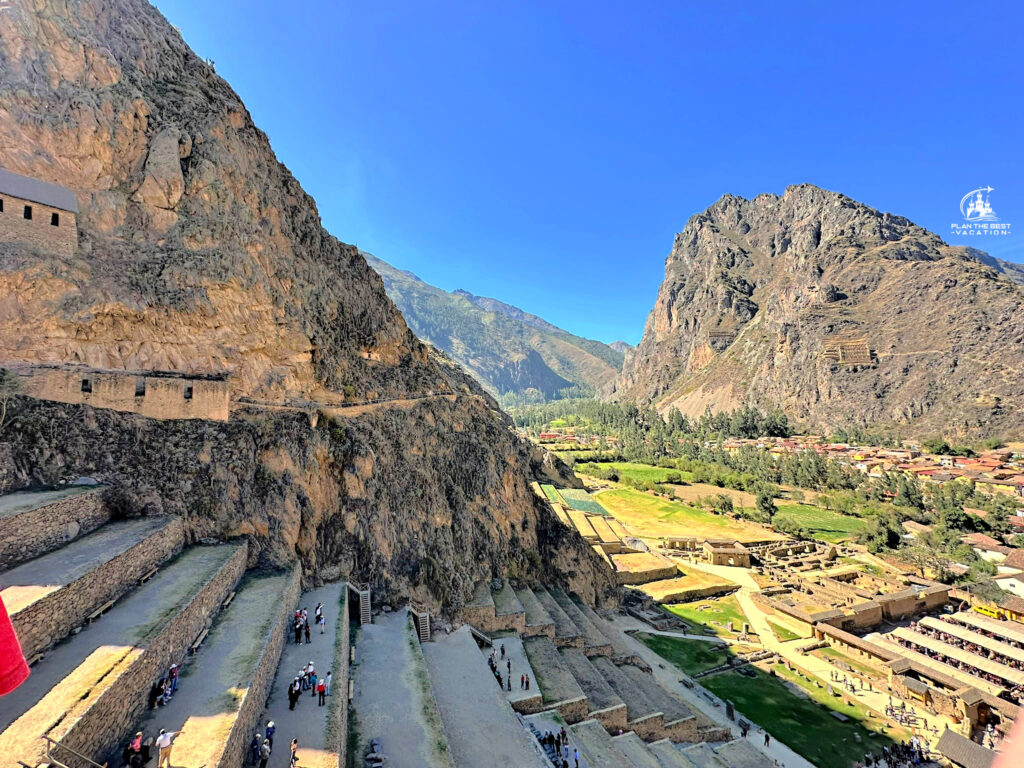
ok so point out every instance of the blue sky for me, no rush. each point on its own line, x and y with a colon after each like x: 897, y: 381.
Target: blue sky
x: 545, y: 152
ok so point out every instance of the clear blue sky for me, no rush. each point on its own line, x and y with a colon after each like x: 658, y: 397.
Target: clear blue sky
x: 546, y: 152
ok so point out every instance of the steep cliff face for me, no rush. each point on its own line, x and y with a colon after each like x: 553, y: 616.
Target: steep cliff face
x: 198, y: 252
x: 836, y: 312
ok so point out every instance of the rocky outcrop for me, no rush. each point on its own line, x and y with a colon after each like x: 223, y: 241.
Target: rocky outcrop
x: 199, y: 253
x: 838, y: 313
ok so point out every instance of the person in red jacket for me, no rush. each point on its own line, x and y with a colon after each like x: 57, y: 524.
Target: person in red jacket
x: 13, y: 667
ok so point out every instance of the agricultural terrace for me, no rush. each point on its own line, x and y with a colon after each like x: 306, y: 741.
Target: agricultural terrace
x: 553, y: 495
x: 694, y: 491
x: 577, y: 498
x: 681, y: 588
x: 641, y: 473
x: 822, y: 524
x: 692, y: 656
x: 652, y: 517
x: 711, y: 617
x: 799, y: 714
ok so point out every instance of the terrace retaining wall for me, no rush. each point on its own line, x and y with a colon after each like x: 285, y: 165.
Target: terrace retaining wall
x: 109, y: 712
x: 42, y: 623
x: 255, y: 698
x: 35, y: 532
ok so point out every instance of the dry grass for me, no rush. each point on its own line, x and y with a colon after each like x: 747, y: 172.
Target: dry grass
x: 686, y: 585
x: 638, y: 562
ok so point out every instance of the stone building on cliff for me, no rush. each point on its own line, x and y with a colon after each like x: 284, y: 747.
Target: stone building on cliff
x: 38, y: 214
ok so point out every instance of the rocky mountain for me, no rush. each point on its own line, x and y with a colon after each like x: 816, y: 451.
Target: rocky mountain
x: 1008, y: 269
x: 509, y: 351
x: 621, y: 346
x: 838, y: 313
x: 199, y: 253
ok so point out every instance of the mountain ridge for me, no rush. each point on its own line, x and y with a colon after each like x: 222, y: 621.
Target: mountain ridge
x: 838, y: 313
x: 510, y: 352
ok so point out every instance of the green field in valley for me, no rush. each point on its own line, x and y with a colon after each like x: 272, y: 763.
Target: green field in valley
x: 712, y: 615
x: 577, y: 498
x: 804, y: 722
x: 644, y: 473
x: 822, y: 524
x: 691, y: 656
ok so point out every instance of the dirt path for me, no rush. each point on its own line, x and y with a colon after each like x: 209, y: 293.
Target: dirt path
x: 481, y: 726
x: 308, y: 722
x: 389, y: 701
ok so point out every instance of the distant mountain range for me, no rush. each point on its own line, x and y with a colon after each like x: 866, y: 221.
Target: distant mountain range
x: 837, y: 313
x: 517, y: 356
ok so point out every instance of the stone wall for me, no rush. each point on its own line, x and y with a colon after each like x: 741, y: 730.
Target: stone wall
x: 110, y: 711
x: 255, y: 698
x: 148, y: 394
x: 338, y: 714
x: 682, y: 730
x: 651, y: 728
x: 37, y: 531
x: 574, y: 711
x: 60, y: 238
x: 41, y: 624
x: 612, y: 719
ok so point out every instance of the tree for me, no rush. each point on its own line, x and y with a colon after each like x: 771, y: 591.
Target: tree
x: 10, y: 385
x: 766, y: 504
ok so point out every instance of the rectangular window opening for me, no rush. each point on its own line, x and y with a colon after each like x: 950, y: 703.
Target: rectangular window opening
x: 188, y: 391
x: 28, y: 212
x: 87, y: 385
x: 140, y: 387
x: 1, y: 205
x: 54, y: 219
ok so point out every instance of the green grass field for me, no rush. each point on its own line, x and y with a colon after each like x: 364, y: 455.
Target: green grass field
x: 802, y: 722
x: 711, y: 614
x: 783, y: 633
x: 552, y: 493
x: 822, y: 524
x: 577, y: 498
x: 691, y: 656
x: 645, y: 473
x: 857, y: 665
x: 655, y: 517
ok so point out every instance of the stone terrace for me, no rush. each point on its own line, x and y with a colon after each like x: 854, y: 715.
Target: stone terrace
x: 224, y: 689
x: 51, y: 595
x: 33, y: 523
x: 566, y: 631
x: 642, y: 715
x: 554, y: 679
x: 595, y: 643
x: 598, y: 747
x: 635, y: 751
x: 603, y: 704
x: 538, y: 621
x: 90, y: 690
x: 482, y: 729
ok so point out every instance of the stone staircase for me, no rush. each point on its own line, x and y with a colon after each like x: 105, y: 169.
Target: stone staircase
x: 594, y: 643
x: 362, y: 594
x: 538, y: 621
x: 566, y: 631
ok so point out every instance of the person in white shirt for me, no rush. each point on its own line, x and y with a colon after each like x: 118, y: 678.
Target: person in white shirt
x: 163, y: 743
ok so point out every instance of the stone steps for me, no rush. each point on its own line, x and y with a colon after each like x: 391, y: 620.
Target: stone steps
x: 557, y: 685
x: 594, y: 643
x: 597, y: 746
x: 642, y: 715
x: 506, y: 601
x: 53, y: 594
x: 680, y: 722
x: 33, y: 523
x: 668, y: 755
x: 619, y: 650
x: 603, y: 704
x: 225, y: 686
x: 635, y: 751
x: 566, y: 632
x: 702, y: 756
x: 89, y: 691
x: 740, y: 753
x: 538, y: 620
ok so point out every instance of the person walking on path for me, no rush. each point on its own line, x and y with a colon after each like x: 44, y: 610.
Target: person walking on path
x: 174, y: 678
x: 307, y: 632
x: 576, y: 757
x: 298, y: 629
x: 164, y: 742
x: 527, y: 682
x: 767, y: 738
x: 327, y: 682
x: 313, y: 684
x: 254, y: 748
x: 271, y: 729
x: 503, y: 650
x: 264, y: 753
x: 319, y: 613
x: 522, y: 682
x: 294, y: 760
x: 321, y: 690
